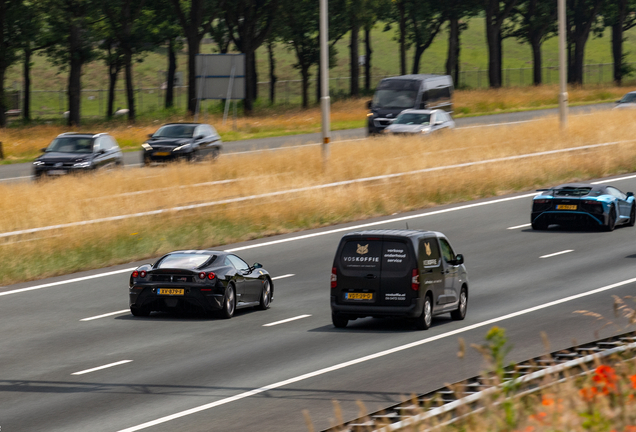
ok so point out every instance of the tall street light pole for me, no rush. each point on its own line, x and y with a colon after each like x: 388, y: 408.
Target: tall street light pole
x: 563, y: 95
x: 324, y: 83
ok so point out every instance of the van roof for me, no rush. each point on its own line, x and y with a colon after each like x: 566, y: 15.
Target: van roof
x: 395, y: 232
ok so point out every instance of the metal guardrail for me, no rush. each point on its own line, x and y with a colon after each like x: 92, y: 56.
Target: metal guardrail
x: 524, y: 377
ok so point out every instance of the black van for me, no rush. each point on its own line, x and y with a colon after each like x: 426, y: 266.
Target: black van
x: 397, y: 273
x: 395, y: 94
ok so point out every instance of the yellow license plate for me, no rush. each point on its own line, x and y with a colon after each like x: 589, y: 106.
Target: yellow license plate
x: 566, y: 207
x: 162, y: 154
x: 170, y: 291
x: 359, y: 296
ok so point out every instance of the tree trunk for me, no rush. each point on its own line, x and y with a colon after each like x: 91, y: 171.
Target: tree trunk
x: 537, y: 61
x: 419, y: 50
x: 272, y: 73
x: 492, y: 35
x: 318, y: 83
x: 3, y: 104
x: 193, y: 50
x: 304, y: 72
x: 248, y: 102
x: 172, y: 71
x: 26, y: 77
x: 353, y: 60
x: 617, y: 51
x: 453, y: 44
x: 113, y: 70
x: 255, y: 75
x: 402, y: 38
x: 130, y: 90
x: 579, y: 57
x: 75, y: 77
x: 367, y: 59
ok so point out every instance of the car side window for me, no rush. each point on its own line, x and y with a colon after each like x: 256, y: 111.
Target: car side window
x: 212, y: 130
x: 199, y: 130
x: 447, y: 251
x: 615, y: 192
x: 106, y: 142
x: 97, y: 146
x: 113, y: 142
x: 238, y: 263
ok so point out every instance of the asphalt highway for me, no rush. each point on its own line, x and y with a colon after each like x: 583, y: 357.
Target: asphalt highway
x: 23, y: 171
x: 74, y: 359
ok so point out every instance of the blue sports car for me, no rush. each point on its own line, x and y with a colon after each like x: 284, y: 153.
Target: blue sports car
x: 598, y: 206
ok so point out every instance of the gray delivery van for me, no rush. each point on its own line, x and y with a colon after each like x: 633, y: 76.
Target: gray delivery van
x: 395, y: 94
x: 397, y: 273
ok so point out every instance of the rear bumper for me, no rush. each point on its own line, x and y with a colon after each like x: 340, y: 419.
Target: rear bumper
x: 193, y: 301
x: 568, y: 218
x: 364, y: 310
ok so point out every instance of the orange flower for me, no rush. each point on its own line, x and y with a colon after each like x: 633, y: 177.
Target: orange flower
x: 605, y: 378
x: 630, y: 429
x: 588, y: 393
x: 546, y: 401
x: 632, y: 378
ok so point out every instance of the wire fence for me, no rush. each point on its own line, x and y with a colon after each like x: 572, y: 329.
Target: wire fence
x: 54, y: 103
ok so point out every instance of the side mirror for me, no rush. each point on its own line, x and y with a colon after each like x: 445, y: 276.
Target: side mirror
x: 618, y: 101
x: 629, y: 194
x: 257, y: 265
x: 437, y: 123
x: 423, y: 105
x: 198, y: 137
x: 43, y: 150
x: 150, y: 135
x: 369, y: 104
x: 459, y: 259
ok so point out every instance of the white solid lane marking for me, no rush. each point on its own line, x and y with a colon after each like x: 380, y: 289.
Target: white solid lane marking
x: 101, y: 367
x: 286, y: 320
x: 80, y: 279
x: 557, y: 253
x: 283, y: 276
x: 520, y: 226
x: 106, y: 315
x: 616, y: 179
x: 371, y: 357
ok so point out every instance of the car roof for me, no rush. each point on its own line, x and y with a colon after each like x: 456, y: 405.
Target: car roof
x: 197, y: 252
x: 580, y: 185
x: 418, y: 111
x: 82, y: 134
x: 396, y: 232
x: 182, y: 124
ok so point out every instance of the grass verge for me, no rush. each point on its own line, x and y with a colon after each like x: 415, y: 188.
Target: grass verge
x: 59, y: 251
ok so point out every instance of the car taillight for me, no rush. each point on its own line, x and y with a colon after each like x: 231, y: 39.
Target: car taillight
x: 142, y: 274
x: 334, y: 278
x: 590, y: 202
x: 202, y: 275
x: 540, y: 201
x: 135, y: 273
x: 415, y: 280
x: 211, y: 275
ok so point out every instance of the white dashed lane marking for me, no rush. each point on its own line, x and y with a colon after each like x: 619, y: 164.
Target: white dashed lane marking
x: 101, y: 367
x: 286, y: 320
x: 557, y: 253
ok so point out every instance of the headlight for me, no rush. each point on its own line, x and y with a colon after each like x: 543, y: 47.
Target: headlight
x: 38, y: 163
x: 146, y: 146
x: 183, y: 147
x: 82, y: 165
x: 425, y: 130
x: 386, y: 131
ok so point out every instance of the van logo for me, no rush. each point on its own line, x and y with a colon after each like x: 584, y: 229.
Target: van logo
x: 428, y: 249
x: 363, y: 249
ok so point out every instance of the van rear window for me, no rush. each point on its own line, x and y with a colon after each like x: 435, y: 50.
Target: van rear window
x: 361, y: 254
x: 395, y: 256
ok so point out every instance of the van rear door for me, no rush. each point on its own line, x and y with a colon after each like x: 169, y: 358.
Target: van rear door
x: 359, y: 268
x: 398, y: 264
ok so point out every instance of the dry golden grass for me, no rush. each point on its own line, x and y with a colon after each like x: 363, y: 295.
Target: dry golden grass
x: 128, y: 191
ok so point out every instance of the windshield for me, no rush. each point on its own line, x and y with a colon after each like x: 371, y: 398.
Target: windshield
x: 629, y: 98
x: 175, y: 131
x: 183, y: 260
x: 396, y: 93
x: 413, y: 119
x: 71, y: 145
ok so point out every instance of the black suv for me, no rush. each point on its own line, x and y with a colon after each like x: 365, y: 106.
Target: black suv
x: 397, y: 273
x: 78, y: 152
x: 182, y: 141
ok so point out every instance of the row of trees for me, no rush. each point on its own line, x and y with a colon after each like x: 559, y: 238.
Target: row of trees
x: 73, y: 33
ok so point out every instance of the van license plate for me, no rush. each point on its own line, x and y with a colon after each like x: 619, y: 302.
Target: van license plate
x: 358, y: 296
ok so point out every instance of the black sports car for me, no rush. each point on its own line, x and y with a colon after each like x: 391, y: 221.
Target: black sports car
x: 78, y: 152
x: 199, y: 280
x: 182, y: 141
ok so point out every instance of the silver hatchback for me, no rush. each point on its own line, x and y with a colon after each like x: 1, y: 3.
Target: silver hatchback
x: 420, y: 122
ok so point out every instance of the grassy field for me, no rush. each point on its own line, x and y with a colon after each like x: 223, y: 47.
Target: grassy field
x: 124, y: 192
x: 50, y: 100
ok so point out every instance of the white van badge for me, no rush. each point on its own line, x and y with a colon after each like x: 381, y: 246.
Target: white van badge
x: 363, y: 249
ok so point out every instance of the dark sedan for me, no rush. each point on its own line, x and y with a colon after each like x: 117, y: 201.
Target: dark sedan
x: 199, y: 281
x: 182, y: 141
x: 78, y: 152
x: 600, y: 206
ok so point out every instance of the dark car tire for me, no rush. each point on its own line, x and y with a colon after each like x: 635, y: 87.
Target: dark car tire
x: 214, y: 154
x: 139, y: 312
x: 194, y: 156
x: 632, y: 216
x: 611, y: 220
x: 229, y: 303
x: 460, y: 313
x: 266, y: 296
x: 423, y: 322
x: 339, y: 321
